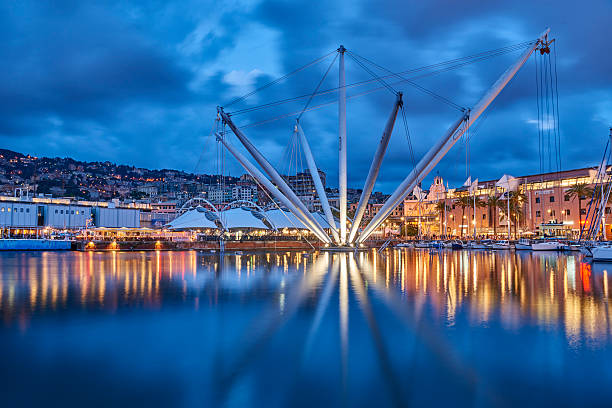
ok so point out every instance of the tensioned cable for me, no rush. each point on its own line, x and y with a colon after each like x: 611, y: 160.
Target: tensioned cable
x: 369, y: 71
x: 277, y: 80
x: 458, y: 65
x: 414, y: 84
x: 350, y: 97
x: 407, y: 131
x: 557, y: 102
x: 318, y: 86
x: 459, y: 62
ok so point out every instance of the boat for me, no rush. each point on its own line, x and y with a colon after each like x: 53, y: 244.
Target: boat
x: 500, y: 245
x: 447, y: 244
x: 523, y: 244
x: 571, y: 247
x: 456, y: 244
x: 547, y: 246
x: 602, y: 253
x: 435, y: 244
x: 482, y: 244
x: 405, y: 245
x: 421, y: 244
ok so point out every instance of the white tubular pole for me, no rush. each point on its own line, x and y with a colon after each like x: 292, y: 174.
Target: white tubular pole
x: 314, y: 173
x: 342, y: 147
x: 374, y: 169
x: 261, y: 178
x: 436, y: 153
x: 276, y: 178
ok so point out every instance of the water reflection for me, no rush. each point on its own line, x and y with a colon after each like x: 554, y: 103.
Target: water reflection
x: 317, y: 310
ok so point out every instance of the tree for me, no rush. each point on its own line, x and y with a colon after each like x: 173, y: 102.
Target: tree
x: 463, y: 202
x: 516, y: 208
x: 493, y: 202
x: 441, y: 208
x: 578, y: 191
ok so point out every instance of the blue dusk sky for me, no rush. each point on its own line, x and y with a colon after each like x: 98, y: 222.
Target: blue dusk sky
x: 138, y: 82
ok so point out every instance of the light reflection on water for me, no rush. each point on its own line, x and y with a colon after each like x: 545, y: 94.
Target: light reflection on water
x: 290, y: 328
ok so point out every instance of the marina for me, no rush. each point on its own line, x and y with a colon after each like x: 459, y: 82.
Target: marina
x: 289, y: 328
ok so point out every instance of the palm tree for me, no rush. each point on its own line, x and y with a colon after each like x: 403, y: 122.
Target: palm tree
x: 577, y: 191
x: 516, y: 208
x: 463, y: 202
x: 493, y: 202
x: 441, y: 208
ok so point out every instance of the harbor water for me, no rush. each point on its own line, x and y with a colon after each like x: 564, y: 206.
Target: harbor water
x: 272, y: 329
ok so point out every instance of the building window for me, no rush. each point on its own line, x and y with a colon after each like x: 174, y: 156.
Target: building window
x: 2, y: 209
x: 552, y: 213
x: 21, y: 210
x: 8, y: 209
x: 27, y: 210
x: 484, y: 216
x: 567, y: 198
x: 537, y: 213
x: 552, y: 199
x: 61, y: 211
x: 537, y: 200
x: 583, y: 211
x: 72, y: 212
x: 608, y: 210
x: 567, y: 212
x: 56, y: 211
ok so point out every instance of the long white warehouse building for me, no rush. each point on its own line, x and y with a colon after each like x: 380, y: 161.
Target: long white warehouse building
x: 63, y: 213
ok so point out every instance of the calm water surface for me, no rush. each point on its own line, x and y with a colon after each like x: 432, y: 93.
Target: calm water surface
x: 409, y: 328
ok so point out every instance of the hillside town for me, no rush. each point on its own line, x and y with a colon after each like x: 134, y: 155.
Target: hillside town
x: 546, y: 205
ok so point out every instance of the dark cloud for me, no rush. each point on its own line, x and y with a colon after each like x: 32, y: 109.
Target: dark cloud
x: 138, y: 82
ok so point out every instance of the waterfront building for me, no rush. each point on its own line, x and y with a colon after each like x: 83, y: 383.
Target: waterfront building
x: 545, y: 208
x: 33, y: 213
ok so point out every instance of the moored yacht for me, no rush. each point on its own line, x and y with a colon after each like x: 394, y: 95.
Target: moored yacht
x: 602, y: 253
x: 547, y: 246
x: 523, y: 243
x: 504, y: 244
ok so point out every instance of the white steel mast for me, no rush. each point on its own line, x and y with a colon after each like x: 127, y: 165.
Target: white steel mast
x: 342, y: 146
x: 314, y: 173
x: 374, y: 169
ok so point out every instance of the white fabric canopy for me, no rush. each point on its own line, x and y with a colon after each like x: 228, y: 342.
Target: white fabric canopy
x: 241, y: 218
x: 192, y: 219
x: 283, y: 219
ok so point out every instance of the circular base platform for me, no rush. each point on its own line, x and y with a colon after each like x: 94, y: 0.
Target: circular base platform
x: 342, y: 249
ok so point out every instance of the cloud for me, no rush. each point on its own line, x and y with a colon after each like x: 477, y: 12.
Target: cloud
x: 139, y: 82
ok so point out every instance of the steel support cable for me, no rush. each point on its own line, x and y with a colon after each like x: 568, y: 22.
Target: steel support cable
x: 414, y: 84
x: 407, y: 131
x: 277, y: 80
x: 557, y: 101
x: 360, y: 83
x: 369, y: 71
x: 459, y: 62
x: 535, y: 59
x: 318, y: 86
x: 349, y: 97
